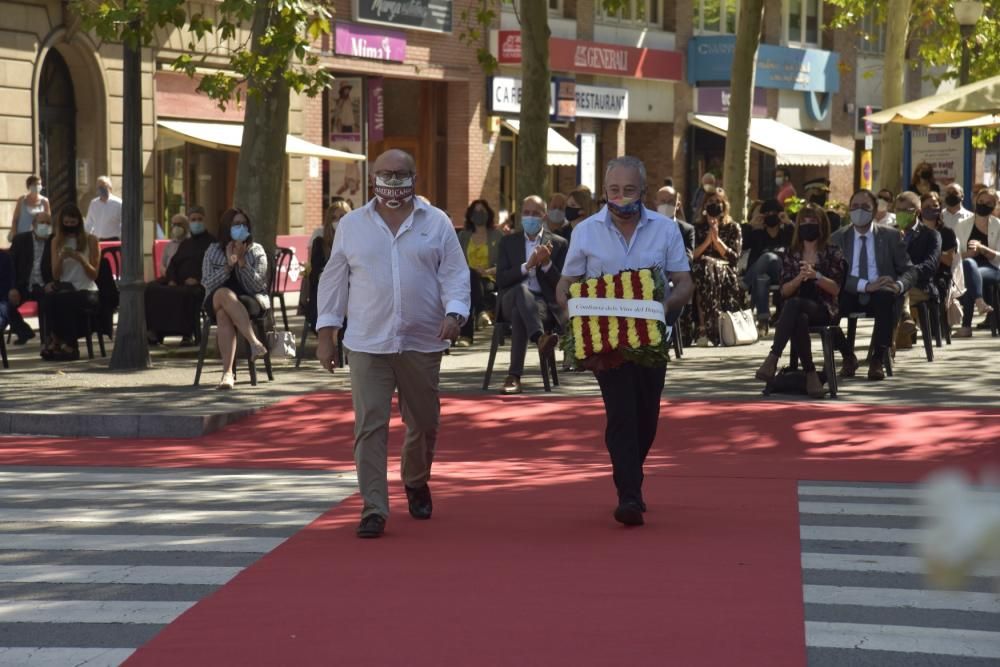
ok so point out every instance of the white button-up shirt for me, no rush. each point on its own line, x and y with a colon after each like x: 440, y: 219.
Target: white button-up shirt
x: 394, y: 291
x: 531, y: 274
x: 951, y: 220
x: 104, y: 218
x: 855, y: 261
x: 598, y: 248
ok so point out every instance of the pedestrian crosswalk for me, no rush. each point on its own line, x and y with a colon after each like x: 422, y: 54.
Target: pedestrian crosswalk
x: 867, y: 602
x: 95, y: 561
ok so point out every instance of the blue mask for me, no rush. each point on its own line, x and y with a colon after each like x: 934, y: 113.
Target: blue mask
x: 103, y: 191
x: 531, y: 224
x: 239, y: 232
x: 197, y: 228
x: 625, y: 207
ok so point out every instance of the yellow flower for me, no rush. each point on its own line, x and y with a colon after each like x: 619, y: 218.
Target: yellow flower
x: 574, y: 290
x: 595, y: 335
x: 633, y: 334
x: 578, y: 336
x: 646, y: 278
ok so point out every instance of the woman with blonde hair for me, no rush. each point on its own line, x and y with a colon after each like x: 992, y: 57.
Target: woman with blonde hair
x: 75, y: 261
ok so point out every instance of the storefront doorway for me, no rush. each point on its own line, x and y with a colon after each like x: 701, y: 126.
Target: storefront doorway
x: 57, y: 131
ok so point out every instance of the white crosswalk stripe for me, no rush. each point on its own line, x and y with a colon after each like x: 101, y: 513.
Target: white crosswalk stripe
x: 94, y: 562
x: 867, y: 601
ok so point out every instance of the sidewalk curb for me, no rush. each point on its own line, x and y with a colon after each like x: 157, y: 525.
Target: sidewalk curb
x: 118, y: 426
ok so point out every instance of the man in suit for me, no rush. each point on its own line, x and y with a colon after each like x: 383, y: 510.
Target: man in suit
x: 667, y: 204
x: 529, y: 265
x: 31, y: 254
x: 917, y: 221
x: 879, y: 272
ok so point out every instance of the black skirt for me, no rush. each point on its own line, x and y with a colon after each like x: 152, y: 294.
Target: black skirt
x: 173, y: 311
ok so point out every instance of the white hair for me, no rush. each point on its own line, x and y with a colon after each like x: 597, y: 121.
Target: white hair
x: 629, y: 162
x: 106, y: 180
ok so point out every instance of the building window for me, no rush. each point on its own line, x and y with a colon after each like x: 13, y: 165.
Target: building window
x: 718, y: 16
x: 804, y: 22
x: 636, y: 13
x: 872, y: 37
x: 555, y: 7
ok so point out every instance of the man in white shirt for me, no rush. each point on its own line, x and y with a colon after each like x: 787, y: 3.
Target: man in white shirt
x: 954, y: 213
x: 626, y: 235
x: 529, y: 266
x: 399, y: 276
x: 104, y: 215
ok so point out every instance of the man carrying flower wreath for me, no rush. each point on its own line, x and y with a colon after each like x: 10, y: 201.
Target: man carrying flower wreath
x: 624, y: 236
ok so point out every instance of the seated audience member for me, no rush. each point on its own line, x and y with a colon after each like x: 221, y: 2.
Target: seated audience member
x: 884, y: 212
x: 879, y: 272
x: 75, y: 258
x: 480, y: 240
x: 173, y: 301
x: 235, y: 277
x: 979, y: 242
x: 179, y: 230
x: 954, y: 211
x: 923, y: 245
x: 529, y: 265
x: 668, y: 203
x: 338, y: 208
x: 31, y: 253
x: 579, y: 207
x: 817, y: 191
x: 555, y: 216
x: 717, y: 285
x: 767, y: 237
x: 319, y: 252
x: 812, y: 271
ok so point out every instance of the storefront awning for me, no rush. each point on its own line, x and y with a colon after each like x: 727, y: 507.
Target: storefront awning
x: 561, y: 151
x: 229, y: 137
x: 788, y: 146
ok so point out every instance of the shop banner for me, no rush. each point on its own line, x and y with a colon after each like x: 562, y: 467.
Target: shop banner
x: 361, y: 41
x: 433, y: 15
x: 716, y: 101
x: 943, y: 149
x: 347, y: 113
x: 376, y: 110
x: 710, y: 60
x: 591, y: 101
x: 571, y: 55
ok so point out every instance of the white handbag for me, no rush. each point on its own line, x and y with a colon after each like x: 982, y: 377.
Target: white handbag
x: 737, y: 328
x: 281, y: 344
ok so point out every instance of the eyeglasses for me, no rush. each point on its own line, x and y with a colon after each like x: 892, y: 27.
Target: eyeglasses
x: 393, y: 175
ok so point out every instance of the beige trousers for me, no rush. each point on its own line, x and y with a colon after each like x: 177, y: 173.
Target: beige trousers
x: 374, y: 377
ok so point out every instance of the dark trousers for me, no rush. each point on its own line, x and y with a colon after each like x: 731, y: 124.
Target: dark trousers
x: 526, y: 312
x: 17, y: 324
x: 760, y: 275
x: 482, y: 299
x: 797, y: 316
x: 977, y: 278
x: 632, y: 401
x: 173, y: 311
x: 885, y: 307
x: 66, y: 313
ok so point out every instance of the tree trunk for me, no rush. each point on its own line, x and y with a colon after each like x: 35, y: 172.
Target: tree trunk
x: 737, y: 165
x: 131, y: 351
x: 532, y: 143
x: 260, y: 171
x: 890, y: 175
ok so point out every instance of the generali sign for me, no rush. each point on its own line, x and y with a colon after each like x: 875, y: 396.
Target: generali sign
x: 570, y: 55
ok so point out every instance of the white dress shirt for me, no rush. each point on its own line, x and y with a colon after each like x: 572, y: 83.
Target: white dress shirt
x: 951, y: 220
x: 855, y: 261
x: 597, y: 247
x: 104, y: 219
x: 532, y: 275
x: 394, y: 291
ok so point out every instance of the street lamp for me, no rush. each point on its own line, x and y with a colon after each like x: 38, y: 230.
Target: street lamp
x: 968, y: 13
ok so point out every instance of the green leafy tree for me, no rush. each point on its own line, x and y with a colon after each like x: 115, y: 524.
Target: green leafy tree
x: 271, y: 60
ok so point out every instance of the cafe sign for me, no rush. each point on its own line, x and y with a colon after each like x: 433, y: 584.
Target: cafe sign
x: 590, y: 101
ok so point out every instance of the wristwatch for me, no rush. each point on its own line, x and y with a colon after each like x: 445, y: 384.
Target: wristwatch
x: 458, y: 318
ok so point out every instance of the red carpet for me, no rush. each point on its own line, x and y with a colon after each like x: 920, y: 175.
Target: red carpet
x: 522, y: 563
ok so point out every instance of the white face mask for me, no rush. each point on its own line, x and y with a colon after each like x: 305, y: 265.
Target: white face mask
x: 43, y: 230
x: 557, y: 216
x: 35, y: 189
x: 883, y: 206
x: 779, y: 180
x: 667, y: 209
x: 177, y: 233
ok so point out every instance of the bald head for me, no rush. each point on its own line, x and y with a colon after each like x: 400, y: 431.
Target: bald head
x: 395, y: 160
x: 666, y: 195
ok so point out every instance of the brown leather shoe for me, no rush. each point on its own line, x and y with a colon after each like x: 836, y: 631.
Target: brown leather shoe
x: 875, y: 371
x: 512, y: 385
x: 767, y: 369
x: 547, y: 344
x: 904, y: 334
x: 814, y: 387
x: 849, y: 367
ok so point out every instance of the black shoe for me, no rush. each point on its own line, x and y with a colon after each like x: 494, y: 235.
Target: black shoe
x: 629, y: 513
x: 420, y: 502
x: 371, y: 526
x: 24, y: 336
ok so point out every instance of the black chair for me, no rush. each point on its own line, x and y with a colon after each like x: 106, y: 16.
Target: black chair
x: 99, y: 319
x: 283, y: 258
x: 826, y: 335
x: 992, y: 295
x: 307, y: 328
x: 261, y: 325
x: 502, y: 329
x: 3, y: 347
x: 927, y: 326
x: 852, y: 332
x: 673, y: 321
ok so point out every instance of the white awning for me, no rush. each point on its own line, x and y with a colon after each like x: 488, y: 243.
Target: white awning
x: 787, y: 145
x: 229, y: 137
x: 561, y: 151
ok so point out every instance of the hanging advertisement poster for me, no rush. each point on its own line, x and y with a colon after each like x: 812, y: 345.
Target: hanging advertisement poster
x: 942, y: 148
x: 346, y: 123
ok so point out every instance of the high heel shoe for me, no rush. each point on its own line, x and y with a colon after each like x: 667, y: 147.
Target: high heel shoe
x: 228, y: 382
x: 257, y: 350
x: 983, y: 308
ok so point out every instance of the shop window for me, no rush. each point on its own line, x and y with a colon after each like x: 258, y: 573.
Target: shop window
x: 804, y: 22
x: 637, y: 13
x: 555, y: 7
x: 716, y: 16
